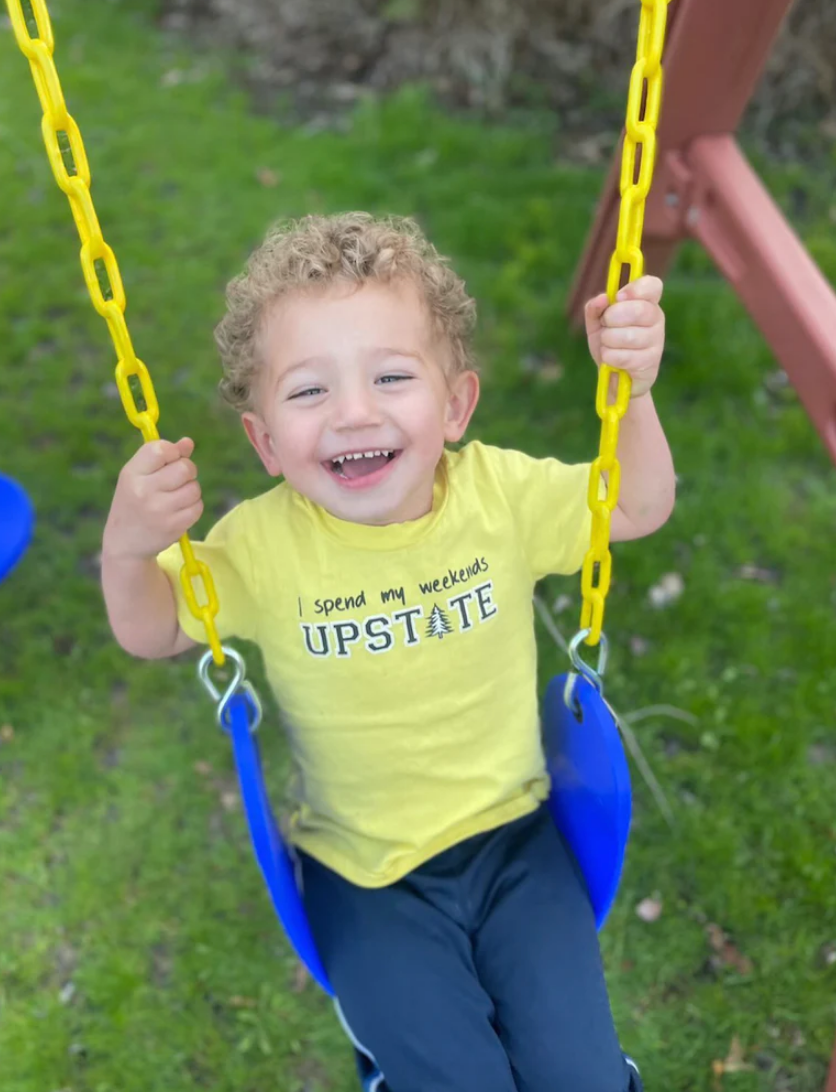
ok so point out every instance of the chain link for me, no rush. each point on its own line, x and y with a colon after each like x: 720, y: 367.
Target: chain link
x: 638, y: 158
x: 101, y: 271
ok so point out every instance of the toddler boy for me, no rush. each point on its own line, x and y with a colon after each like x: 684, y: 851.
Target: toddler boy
x: 388, y: 582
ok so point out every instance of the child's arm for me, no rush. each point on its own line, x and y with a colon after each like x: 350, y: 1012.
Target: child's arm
x: 648, y: 482
x: 630, y: 334
x: 157, y: 499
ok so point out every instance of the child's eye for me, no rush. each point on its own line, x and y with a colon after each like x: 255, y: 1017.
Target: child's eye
x: 393, y: 378
x: 307, y: 392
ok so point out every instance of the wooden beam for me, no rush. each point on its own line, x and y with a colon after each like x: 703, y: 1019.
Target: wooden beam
x: 705, y: 188
x: 730, y: 212
x: 715, y: 53
x: 831, y: 1080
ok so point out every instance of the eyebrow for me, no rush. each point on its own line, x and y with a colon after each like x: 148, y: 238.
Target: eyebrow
x: 306, y: 363
x: 384, y: 351
x: 377, y: 354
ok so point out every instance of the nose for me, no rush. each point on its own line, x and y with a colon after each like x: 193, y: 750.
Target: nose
x: 356, y: 408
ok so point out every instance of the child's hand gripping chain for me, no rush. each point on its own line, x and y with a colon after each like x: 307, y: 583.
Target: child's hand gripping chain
x: 629, y: 334
x: 157, y: 499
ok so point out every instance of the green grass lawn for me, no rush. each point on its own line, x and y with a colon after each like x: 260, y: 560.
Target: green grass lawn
x: 137, y: 948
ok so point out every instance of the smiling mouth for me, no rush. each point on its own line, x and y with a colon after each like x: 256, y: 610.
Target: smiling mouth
x: 360, y: 464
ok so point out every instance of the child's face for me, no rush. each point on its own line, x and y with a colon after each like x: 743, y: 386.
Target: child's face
x: 358, y: 372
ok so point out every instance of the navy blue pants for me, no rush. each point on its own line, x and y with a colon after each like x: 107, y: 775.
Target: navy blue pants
x: 478, y: 972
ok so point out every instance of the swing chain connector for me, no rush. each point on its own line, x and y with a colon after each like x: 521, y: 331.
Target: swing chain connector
x: 593, y: 675
x: 239, y: 682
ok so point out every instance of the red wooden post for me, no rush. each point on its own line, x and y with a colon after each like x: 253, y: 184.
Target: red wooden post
x: 705, y: 188
x: 831, y: 1080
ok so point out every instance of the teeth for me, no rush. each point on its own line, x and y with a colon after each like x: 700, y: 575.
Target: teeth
x: 340, y: 459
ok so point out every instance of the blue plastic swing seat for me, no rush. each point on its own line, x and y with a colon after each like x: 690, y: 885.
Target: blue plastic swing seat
x: 590, y: 802
x: 17, y: 519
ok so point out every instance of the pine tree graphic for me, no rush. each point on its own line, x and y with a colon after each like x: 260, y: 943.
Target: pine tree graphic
x: 439, y: 623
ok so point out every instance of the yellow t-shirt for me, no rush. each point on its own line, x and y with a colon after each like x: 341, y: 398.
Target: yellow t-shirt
x: 403, y: 657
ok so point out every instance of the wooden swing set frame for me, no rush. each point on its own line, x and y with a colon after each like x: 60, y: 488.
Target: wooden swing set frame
x: 705, y: 189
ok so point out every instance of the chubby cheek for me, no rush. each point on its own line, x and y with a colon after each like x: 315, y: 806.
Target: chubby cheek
x: 428, y: 429
x: 430, y: 441
x: 295, y: 440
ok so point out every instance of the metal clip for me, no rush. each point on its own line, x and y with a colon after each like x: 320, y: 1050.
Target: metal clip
x: 238, y: 682
x: 593, y: 675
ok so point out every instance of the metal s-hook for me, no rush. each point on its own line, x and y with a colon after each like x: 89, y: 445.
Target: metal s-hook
x: 593, y: 675
x: 238, y: 682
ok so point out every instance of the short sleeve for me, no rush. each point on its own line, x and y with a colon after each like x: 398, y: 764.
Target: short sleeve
x: 548, y: 501
x: 226, y: 552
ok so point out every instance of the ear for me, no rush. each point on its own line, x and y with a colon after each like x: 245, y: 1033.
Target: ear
x: 462, y: 397
x: 259, y: 436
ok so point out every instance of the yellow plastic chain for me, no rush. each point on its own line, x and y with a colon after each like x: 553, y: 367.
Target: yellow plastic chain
x: 642, y: 120
x: 68, y: 159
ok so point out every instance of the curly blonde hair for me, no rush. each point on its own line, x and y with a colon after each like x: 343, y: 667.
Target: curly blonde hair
x: 319, y: 251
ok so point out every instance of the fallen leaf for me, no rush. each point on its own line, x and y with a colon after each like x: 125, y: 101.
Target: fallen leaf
x: 301, y: 978
x: 734, y: 1063
x: 667, y: 591
x: 66, y: 960
x: 551, y: 372
x: 229, y: 800
x: 238, y: 1002
x: 202, y: 767
x: 728, y: 955
x: 268, y: 178
x: 7, y: 733
x: 650, y: 909
x: 754, y: 572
